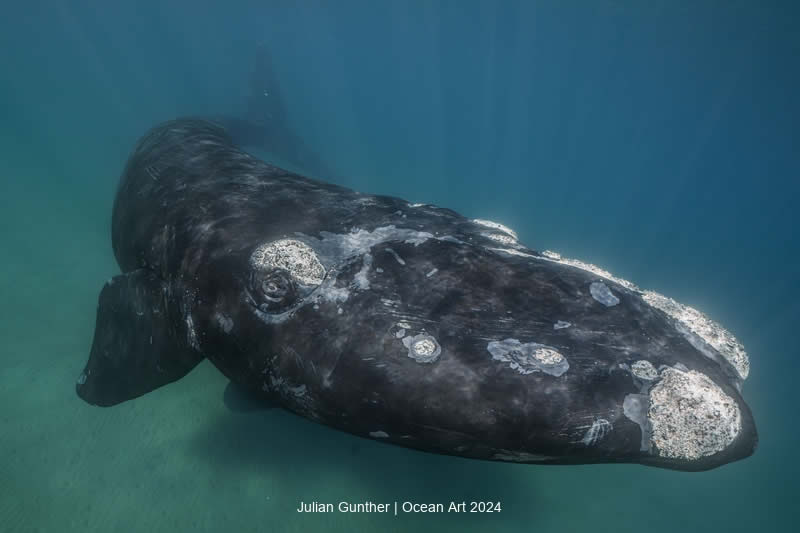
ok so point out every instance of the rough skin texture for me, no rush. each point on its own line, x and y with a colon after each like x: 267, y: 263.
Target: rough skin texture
x: 691, y: 416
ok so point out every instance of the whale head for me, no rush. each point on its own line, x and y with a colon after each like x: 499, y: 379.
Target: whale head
x: 474, y: 334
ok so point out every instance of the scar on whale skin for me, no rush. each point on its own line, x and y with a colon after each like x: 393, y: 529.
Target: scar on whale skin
x: 634, y: 406
x: 528, y: 358
x: 496, y: 226
x: 600, y: 428
x: 603, y: 294
x: 396, y: 256
x: 501, y: 238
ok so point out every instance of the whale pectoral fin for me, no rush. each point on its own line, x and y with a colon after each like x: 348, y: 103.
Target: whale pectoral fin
x: 140, y: 342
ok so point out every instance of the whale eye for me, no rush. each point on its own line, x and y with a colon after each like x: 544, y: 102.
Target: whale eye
x: 273, y: 291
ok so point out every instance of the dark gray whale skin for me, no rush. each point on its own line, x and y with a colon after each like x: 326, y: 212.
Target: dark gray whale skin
x: 191, y: 211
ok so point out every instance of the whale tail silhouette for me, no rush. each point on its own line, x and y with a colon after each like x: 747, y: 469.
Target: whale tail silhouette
x: 267, y: 125
x: 265, y: 101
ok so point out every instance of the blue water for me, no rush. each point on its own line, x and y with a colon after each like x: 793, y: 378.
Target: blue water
x: 656, y: 139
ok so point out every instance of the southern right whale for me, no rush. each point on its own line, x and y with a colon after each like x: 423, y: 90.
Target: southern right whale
x: 406, y: 323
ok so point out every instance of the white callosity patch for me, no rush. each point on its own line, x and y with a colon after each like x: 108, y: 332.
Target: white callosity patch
x: 594, y: 269
x: 378, y: 434
x: 603, y: 294
x: 294, y: 256
x: 528, y: 358
x: 712, y: 333
x: 422, y: 348
x: 511, y: 251
x: 600, y: 428
x: 496, y: 226
x: 696, y: 322
x: 501, y: 234
x: 644, y: 370
x: 315, y: 261
x: 691, y: 416
x: 561, y: 325
x: 548, y: 356
x: 502, y: 238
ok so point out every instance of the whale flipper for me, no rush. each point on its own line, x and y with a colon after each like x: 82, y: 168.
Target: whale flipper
x: 138, y: 345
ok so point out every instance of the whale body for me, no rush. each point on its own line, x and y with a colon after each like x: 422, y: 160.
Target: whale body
x: 405, y: 323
